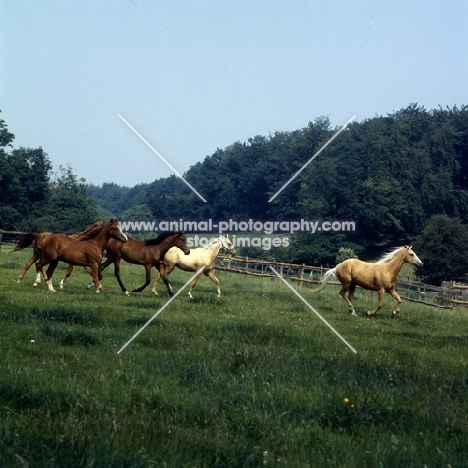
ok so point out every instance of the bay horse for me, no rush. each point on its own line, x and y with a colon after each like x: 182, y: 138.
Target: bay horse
x: 148, y: 253
x: 198, y: 258
x: 84, y: 249
x: 380, y: 276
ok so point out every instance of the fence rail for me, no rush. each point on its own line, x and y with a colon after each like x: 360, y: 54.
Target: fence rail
x: 9, y: 237
x: 249, y: 266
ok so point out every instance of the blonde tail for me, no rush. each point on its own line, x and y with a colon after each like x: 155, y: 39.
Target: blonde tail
x: 326, y: 278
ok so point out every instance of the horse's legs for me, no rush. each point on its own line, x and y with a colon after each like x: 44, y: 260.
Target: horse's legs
x: 147, y: 278
x: 39, y: 271
x: 164, y: 272
x: 194, y: 283
x: 211, y: 275
x: 93, y: 270
x: 345, y: 287
x: 157, y: 280
x: 352, y: 288
x: 32, y: 260
x: 117, y: 275
x: 395, y: 295
x: 381, y: 293
x: 49, y: 273
x: 67, y: 275
x: 102, y: 267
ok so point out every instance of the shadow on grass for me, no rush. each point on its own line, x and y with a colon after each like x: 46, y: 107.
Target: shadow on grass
x: 139, y: 322
x: 71, y: 337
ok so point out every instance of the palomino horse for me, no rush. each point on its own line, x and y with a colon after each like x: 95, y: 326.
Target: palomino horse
x: 198, y: 258
x: 148, y: 253
x: 83, y: 249
x: 380, y: 276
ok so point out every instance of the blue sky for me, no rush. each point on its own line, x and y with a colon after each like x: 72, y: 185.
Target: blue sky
x: 194, y: 76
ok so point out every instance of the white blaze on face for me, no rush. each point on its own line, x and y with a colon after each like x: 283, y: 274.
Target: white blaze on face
x: 414, y: 258
x: 122, y: 234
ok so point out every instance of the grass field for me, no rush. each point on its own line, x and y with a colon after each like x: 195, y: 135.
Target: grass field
x: 251, y: 379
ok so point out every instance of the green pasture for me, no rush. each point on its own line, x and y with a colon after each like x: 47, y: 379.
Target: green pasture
x: 251, y: 379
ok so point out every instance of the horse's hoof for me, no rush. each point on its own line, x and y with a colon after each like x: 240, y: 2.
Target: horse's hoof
x: 35, y: 285
x: 127, y: 293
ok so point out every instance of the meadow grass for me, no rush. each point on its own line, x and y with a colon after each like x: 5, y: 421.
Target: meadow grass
x: 251, y: 379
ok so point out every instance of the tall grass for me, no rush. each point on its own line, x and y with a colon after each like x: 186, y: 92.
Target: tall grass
x: 250, y: 379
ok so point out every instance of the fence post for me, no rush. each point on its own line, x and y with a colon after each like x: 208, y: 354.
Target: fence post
x: 302, y: 276
x: 1, y: 239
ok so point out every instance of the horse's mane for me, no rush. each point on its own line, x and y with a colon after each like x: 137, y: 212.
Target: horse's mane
x: 160, y: 238
x: 388, y: 256
x: 89, y: 233
x: 211, y: 243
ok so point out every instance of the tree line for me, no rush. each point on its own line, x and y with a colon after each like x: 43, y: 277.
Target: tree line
x: 34, y: 198
x: 399, y: 177
x: 391, y: 175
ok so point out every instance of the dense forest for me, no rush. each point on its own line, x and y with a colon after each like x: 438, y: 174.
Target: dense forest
x: 397, y: 177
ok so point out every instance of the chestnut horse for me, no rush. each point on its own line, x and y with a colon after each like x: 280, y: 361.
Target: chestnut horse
x: 147, y: 253
x: 36, y: 246
x: 380, y: 276
x: 83, y: 249
x: 199, y: 257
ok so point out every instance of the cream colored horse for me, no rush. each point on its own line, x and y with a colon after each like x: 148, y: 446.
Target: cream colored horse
x: 196, y: 259
x: 380, y: 276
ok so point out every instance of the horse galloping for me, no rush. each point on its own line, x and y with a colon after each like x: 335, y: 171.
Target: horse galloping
x: 198, y: 258
x: 380, y: 276
x: 148, y: 253
x: 84, y: 249
x: 35, y: 242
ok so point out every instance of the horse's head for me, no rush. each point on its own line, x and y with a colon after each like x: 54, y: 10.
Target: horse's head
x: 226, y: 244
x: 115, y: 231
x: 411, y: 257
x: 181, y: 243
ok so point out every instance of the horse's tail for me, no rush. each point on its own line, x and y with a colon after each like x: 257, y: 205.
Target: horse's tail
x: 25, y: 241
x: 326, y: 278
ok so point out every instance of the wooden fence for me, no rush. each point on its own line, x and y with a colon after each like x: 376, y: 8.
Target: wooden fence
x: 9, y: 237
x: 249, y: 266
x: 446, y: 296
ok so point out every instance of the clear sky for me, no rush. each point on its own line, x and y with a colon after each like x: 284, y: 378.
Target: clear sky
x: 196, y: 75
